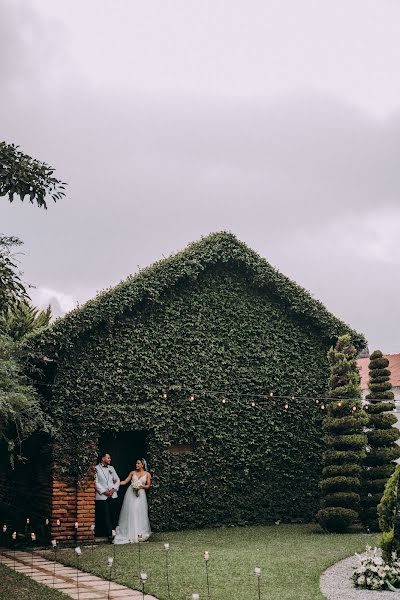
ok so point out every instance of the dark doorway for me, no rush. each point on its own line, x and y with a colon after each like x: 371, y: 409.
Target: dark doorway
x: 125, y: 447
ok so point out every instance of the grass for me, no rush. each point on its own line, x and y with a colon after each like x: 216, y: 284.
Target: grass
x: 291, y: 557
x: 15, y: 586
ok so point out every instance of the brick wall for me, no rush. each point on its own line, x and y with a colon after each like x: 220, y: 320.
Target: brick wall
x: 70, y: 505
x: 32, y: 489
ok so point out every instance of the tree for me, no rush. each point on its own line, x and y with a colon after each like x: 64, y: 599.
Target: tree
x: 382, y: 436
x: 20, y: 410
x: 344, y: 440
x: 23, y: 318
x: 12, y: 289
x: 22, y: 175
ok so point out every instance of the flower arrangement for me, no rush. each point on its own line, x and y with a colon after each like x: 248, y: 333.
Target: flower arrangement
x: 136, y: 486
x: 373, y: 573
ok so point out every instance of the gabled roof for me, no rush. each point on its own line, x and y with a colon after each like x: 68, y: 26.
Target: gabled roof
x: 394, y: 366
x: 151, y: 283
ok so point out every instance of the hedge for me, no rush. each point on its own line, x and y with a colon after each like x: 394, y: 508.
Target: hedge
x: 345, y: 442
x: 380, y: 433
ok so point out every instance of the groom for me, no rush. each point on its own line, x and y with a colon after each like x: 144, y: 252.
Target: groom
x: 107, y: 485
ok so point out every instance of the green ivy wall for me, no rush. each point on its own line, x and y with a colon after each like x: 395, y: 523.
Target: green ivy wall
x: 218, y: 337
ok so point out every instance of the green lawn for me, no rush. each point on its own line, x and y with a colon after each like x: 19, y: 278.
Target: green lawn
x: 292, y: 558
x: 15, y: 586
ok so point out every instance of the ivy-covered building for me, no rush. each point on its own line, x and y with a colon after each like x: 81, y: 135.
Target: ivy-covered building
x: 192, y: 362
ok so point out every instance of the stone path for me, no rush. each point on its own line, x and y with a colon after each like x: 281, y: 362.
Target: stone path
x: 66, y: 579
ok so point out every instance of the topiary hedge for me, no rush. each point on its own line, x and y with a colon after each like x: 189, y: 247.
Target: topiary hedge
x: 217, y: 321
x: 382, y: 449
x: 389, y: 517
x: 345, y: 441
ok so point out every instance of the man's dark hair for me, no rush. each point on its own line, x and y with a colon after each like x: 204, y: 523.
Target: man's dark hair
x: 102, y: 454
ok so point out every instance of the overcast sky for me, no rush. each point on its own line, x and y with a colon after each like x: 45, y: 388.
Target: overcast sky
x: 276, y: 120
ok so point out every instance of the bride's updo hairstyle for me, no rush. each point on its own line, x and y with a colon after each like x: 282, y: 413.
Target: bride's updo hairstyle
x: 143, y: 461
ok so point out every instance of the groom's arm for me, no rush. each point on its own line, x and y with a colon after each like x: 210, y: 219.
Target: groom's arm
x: 99, y: 489
x: 116, y: 481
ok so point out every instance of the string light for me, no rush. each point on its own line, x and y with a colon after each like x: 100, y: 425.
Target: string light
x: 354, y: 408
x: 224, y: 400
x: 317, y: 401
x: 192, y: 397
x: 253, y: 403
x: 323, y: 406
x: 286, y: 406
x: 271, y: 394
x: 165, y: 395
x: 339, y: 404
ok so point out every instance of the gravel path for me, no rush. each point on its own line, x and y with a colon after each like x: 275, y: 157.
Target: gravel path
x: 336, y: 584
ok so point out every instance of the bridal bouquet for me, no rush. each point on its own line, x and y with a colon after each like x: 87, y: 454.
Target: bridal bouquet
x: 136, y: 486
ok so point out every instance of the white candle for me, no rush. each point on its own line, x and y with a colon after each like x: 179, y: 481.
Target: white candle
x: 54, y: 543
x: 113, y: 533
x: 27, y: 521
x: 92, y: 528
x: 76, y: 524
x: 33, y: 537
x: 58, y: 522
x: 166, y: 546
x: 143, y: 577
x: 195, y: 596
x: 4, y: 528
x: 257, y: 571
x: 14, y: 535
x: 78, y: 551
x: 110, y: 561
x: 206, y: 555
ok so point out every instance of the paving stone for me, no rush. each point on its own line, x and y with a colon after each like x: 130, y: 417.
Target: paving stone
x: 55, y: 575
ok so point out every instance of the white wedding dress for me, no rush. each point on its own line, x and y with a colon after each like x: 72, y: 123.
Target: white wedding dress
x: 133, y: 519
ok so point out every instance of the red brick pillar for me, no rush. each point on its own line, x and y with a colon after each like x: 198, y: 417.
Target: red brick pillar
x: 73, y: 504
x: 85, y: 511
x: 63, y: 510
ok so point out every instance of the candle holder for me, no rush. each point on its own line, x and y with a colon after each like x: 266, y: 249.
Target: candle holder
x: 46, y: 530
x: 27, y: 527
x: 206, y: 556
x: 113, y: 534
x: 110, y: 562
x: 78, y: 553
x: 4, y: 535
x: 33, y: 540
x: 143, y: 579
x: 257, y: 573
x: 166, y: 548
x: 195, y: 596
x: 76, y: 526
x: 139, y: 540
x: 92, y: 529
x: 14, y: 542
x: 54, y: 546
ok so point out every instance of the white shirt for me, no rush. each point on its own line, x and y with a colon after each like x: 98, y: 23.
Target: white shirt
x: 106, y: 478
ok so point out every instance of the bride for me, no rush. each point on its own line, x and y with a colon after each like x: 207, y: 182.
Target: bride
x: 134, y: 524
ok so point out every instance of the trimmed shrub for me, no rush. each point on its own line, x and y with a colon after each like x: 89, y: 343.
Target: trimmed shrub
x: 381, y: 436
x: 338, y: 470
x: 344, y: 499
x: 336, y: 518
x: 345, y: 443
x: 353, y: 442
x: 388, y: 515
x: 339, y: 484
x: 381, y: 420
